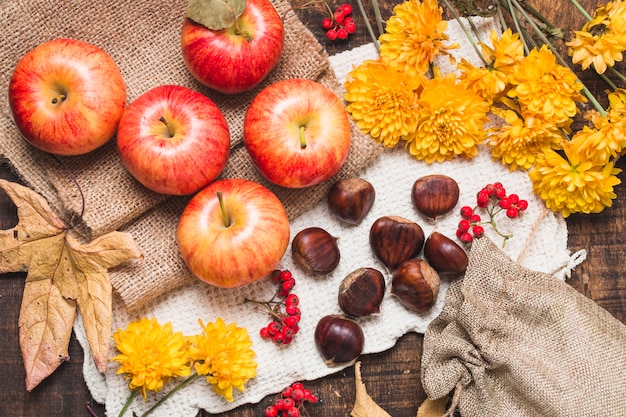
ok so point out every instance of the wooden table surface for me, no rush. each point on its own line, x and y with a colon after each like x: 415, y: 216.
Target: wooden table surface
x: 392, y: 377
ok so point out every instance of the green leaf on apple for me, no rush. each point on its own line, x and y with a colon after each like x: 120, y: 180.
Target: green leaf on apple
x: 215, y: 14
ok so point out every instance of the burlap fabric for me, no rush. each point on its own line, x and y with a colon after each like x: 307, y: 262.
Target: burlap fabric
x: 143, y: 37
x: 515, y: 342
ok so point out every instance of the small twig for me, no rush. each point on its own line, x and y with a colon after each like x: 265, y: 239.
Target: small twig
x: 90, y: 410
x: 75, y: 181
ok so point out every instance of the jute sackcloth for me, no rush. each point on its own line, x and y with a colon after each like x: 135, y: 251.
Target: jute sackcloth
x: 144, y: 40
x: 515, y: 342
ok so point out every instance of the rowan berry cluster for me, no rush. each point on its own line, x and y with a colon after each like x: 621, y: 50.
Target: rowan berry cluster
x: 341, y: 24
x: 493, y: 199
x: 292, y: 402
x: 283, y: 308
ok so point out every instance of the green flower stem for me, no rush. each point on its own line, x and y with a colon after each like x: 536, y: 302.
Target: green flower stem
x: 378, y: 17
x: 608, y: 81
x: 177, y: 388
x: 558, y: 56
x: 368, y: 26
x: 581, y: 10
x: 467, y: 34
x: 617, y: 74
x: 129, y: 400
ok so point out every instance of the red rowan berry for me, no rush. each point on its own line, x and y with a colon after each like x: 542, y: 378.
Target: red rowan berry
x: 327, y: 23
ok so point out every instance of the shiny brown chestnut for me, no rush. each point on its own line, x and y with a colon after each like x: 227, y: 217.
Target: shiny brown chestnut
x: 394, y: 239
x: 361, y: 292
x: 351, y: 199
x: 435, y: 195
x: 443, y: 254
x: 339, y: 339
x: 315, y: 250
x: 416, y: 285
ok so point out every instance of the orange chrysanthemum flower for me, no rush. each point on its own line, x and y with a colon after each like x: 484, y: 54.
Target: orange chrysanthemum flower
x: 383, y: 101
x: 544, y: 87
x: 414, y: 36
x: 492, y: 81
x: 602, y: 39
x: 519, y: 143
x: 573, y: 184
x: 451, y: 121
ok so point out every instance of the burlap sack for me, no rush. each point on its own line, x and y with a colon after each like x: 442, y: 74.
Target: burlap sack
x: 143, y: 37
x: 514, y: 342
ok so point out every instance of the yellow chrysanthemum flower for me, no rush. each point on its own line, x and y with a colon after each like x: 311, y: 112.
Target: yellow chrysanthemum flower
x: 383, y: 101
x: 520, y: 142
x: 151, y: 354
x: 414, y: 36
x: 607, y: 138
x: 222, y: 353
x: 544, y: 87
x: 492, y: 81
x: 602, y: 39
x: 573, y: 184
x: 451, y: 121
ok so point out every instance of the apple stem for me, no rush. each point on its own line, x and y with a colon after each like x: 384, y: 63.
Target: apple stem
x: 302, y: 139
x: 59, y: 98
x: 223, y: 209
x: 170, y: 130
x: 245, y: 34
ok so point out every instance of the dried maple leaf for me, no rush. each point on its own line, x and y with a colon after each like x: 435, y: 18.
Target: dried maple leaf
x: 433, y: 408
x: 62, y: 274
x: 364, y: 405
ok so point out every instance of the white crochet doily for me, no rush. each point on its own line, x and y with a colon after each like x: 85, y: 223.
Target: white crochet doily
x: 392, y: 175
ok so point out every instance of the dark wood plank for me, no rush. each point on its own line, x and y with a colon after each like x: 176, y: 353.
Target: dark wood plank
x: 392, y: 377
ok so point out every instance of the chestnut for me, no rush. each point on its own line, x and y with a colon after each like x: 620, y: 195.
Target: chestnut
x: 444, y: 254
x: 434, y: 195
x: 315, y: 250
x: 339, y: 339
x: 351, y: 199
x: 416, y: 285
x: 394, y: 239
x: 361, y: 292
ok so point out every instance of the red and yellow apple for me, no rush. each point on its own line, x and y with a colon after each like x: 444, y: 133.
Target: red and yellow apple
x: 239, y: 57
x: 232, y: 233
x: 173, y: 140
x: 67, y: 97
x: 297, y: 132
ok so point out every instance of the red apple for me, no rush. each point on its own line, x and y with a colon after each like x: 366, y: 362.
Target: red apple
x: 238, y: 58
x: 297, y: 132
x: 173, y: 140
x: 233, y: 232
x: 67, y: 97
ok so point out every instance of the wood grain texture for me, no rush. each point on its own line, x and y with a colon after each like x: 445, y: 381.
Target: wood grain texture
x: 391, y: 377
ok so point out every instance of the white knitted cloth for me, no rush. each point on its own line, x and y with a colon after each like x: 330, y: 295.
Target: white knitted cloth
x: 392, y: 175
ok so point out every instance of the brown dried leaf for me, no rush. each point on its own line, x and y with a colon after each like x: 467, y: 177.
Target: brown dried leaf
x: 364, y: 405
x: 62, y: 274
x: 433, y: 408
x: 215, y: 14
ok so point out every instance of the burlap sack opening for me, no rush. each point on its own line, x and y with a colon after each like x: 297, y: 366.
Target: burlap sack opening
x: 144, y: 39
x: 514, y: 342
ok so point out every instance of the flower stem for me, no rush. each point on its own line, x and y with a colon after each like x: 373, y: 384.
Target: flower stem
x: 581, y: 10
x: 608, y: 81
x: 177, y: 388
x: 368, y: 26
x: 467, y: 34
x: 617, y: 74
x: 129, y: 400
x: 378, y: 17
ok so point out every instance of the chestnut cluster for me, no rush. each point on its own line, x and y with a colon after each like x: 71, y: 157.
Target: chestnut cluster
x: 397, y: 242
